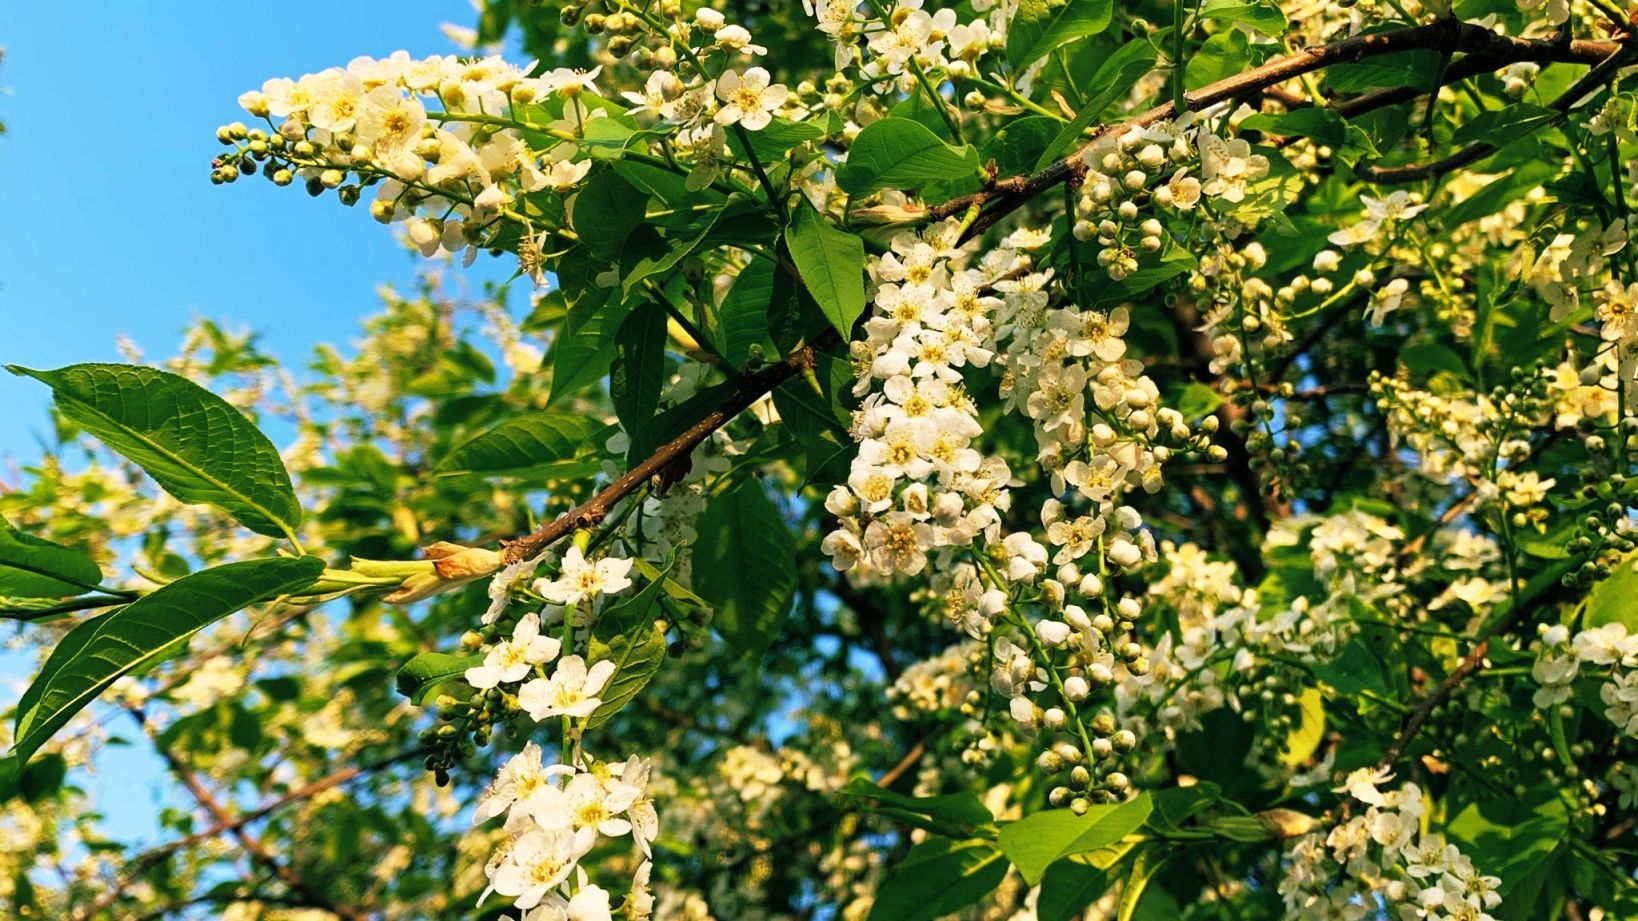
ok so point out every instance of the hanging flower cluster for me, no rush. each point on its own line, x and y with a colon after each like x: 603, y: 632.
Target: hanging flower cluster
x: 1382, y: 857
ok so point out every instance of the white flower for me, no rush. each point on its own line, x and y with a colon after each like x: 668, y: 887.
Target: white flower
x: 748, y: 99
x: 1388, y: 299
x: 1362, y: 783
x: 591, y: 903
x: 564, y: 175
x: 510, y: 660
x: 571, y: 690
x: 581, y: 580
x: 536, y: 864
x: 738, y: 38
x: 519, y: 787
x: 645, y: 820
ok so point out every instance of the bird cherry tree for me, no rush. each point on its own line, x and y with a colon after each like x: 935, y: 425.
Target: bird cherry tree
x: 1028, y: 459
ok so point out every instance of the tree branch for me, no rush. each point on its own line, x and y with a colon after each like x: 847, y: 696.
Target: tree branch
x: 589, y: 513
x: 252, y: 845
x: 1007, y: 195
x: 1472, y: 153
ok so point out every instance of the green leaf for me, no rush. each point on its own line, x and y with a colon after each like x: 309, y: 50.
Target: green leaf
x: 606, y: 210
x: 1034, y: 842
x: 638, y: 372
x: 831, y: 263
x: 421, y: 675
x: 1499, y: 126
x: 194, y: 444
x: 899, y: 153
x: 101, y: 650
x: 541, y: 445
x: 1020, y: 142
x: 1353, y: 671
x: 742, y: 317
x: 1509, y: 836
x: 1144, y: 868
x: 950, y: 813
x: 1323, y: 125
x: 1610, y: 601
x: 627, y: 635
x: 776, y: 140
x: 32, y: 567
x: 1113, y: 80
x: 1042, y: 26
x: 1306, y: 736
x: 938, y: 878
x: 1069, y: 887
x: 1222, y: 55
x: 1196, y: 400
x: 1265, y: 19
x: 745, y: 565
x: 584, y: 347
x: 1415, y: 69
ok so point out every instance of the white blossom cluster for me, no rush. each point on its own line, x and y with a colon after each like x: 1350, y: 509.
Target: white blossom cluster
x: 443, y: 136
x: 1610, y: 651
x: 911, y: 40
x: 1382, y: 857
x: 454, y: 144
x: 555, y: 814
x: 1119, y: 173
x: 917, y: 484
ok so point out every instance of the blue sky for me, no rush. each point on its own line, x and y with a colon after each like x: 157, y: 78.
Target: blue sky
x: 112, y: 225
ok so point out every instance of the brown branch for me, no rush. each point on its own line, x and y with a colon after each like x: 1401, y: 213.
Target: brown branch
x: 1007, y: 195
x: 905, y: 764
x: 155, y: 854
x: 252, y: 845
x: 676, y: 451
x: 1472, y: 153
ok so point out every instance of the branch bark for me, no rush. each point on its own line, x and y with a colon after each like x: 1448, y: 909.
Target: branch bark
x: 1007, y: 195
x: 589, y: 513
x: 252, y: 845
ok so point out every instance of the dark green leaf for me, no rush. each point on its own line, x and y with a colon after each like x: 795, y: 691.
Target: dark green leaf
x: 584, y: 347
x: 1041, y: 26
x: 1068, y: 888
x: 421, y: 675
x: 937, y: 878
x: 742, y: 318
x: 101, y: 650
x: 194, y: 444
x: 831, y: 263
x: 1500, y: 126
x: 1113, y: 80
x: 606, y: 211
x: 951, y: 813
x: 627, y: 635
x: 1508, y: 836
x: 1034, y: 842
x: 638, y: 371
x: 541, y: 444
x: 898, y: 153
x: 1415, y: 69
x: 745, y: 565
x: 32, y: 567
x: 1323, y: 125
x: 1020, y: 143
x: 773, y: 142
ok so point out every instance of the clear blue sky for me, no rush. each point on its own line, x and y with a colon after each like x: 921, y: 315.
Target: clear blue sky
x: 112, y: 225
